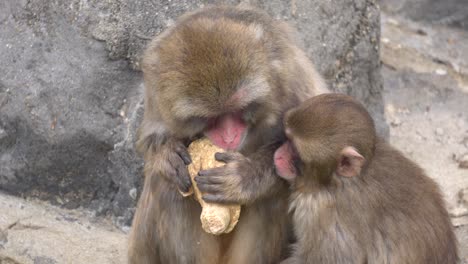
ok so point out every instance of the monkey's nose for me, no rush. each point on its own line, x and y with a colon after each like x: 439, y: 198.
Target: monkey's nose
x: 288, y: 132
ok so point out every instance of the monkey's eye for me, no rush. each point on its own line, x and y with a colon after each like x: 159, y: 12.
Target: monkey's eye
x: 295, y: 153
x: 195, y: 119
x: 295, y: 158
x: 249, y: 113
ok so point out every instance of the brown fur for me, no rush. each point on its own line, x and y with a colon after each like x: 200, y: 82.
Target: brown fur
x: 192, y: 72
x: 390, y: 213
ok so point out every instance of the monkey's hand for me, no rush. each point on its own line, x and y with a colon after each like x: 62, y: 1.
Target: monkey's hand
x: 170, y: 161
x: 229, y: 184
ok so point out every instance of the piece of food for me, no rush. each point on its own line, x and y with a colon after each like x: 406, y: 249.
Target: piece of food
x: 215, y: 218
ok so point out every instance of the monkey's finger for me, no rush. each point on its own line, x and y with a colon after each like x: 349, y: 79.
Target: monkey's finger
x: 226, y: 156
x: 186, y: 158
x: 219, y: 171
x: 183, y: 178
x: 208, y: 180
x: 181, y: 184
x: 183, y: 154
x: 217, y: 198
x: 176, y: 160
x: 179, y: 173
x: 167, y: 171
x: 210, y: 189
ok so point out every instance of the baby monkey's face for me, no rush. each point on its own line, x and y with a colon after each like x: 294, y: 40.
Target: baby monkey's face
x: 326, y: 135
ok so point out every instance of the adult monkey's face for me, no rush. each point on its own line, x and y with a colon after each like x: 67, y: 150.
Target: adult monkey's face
x: 215, y: 86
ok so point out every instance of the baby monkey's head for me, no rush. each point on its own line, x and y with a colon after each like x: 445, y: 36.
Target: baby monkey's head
x: 329, y: 135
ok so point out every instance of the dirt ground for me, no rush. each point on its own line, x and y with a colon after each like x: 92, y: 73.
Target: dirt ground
x: 425, y: 74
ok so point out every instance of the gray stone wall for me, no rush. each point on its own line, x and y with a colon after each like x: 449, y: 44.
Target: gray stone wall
x: 71, y: 92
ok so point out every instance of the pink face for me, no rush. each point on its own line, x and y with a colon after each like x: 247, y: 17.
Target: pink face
x: 227, y: 131
x: 283, y: 160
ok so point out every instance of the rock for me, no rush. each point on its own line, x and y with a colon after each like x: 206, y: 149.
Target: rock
x: 462, y: 235
x: 45, y: 234
x: 449, y: 12
x: 439, y: 131
x: 133, y: 193
x: 458, y: 211
x: 460, y: 124
x: 410, y: 82
x: 395, y: 122
x: 441, y: 51
x: 440, y: 72
x: 3, y: 133
x: 463, y: 162
x: 71, y: 91
x: 463, y: 197
x: 465, y: 142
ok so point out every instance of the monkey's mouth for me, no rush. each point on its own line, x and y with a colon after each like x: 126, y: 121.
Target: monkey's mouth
x: 285, y: 158
x: 227, y: 131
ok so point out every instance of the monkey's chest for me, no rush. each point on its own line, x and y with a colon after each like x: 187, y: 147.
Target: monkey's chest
x: 312, y: 211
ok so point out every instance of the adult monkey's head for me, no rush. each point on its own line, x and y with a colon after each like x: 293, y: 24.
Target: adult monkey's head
x: 218, y: 76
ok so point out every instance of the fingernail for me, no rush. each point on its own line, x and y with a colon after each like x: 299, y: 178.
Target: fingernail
x: 187, y: 160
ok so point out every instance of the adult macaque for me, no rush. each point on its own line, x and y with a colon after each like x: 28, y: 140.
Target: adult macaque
x: 227, y: 73
x: 355, y: 198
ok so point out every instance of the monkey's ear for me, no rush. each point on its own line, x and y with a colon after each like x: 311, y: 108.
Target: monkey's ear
x: 350, y: 162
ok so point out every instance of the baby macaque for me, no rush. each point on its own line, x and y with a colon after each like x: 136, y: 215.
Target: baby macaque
x: 355, y: 198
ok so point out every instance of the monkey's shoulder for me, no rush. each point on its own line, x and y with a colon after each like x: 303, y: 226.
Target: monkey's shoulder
x: 399, y: 177
x: 389, y: 160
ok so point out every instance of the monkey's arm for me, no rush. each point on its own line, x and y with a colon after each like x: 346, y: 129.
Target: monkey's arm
x: 243, y: 180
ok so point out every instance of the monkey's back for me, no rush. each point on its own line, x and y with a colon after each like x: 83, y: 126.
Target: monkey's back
x: 410, y: 216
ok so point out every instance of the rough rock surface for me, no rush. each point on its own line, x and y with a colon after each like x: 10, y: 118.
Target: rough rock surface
x: 426, y: 98
x: 71, y: 92
x: 33, y: 232
x: 447, y: 12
